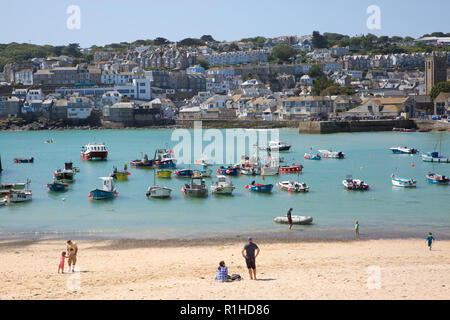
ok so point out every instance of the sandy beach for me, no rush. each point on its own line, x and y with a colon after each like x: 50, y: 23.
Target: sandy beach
x: 300, y: 270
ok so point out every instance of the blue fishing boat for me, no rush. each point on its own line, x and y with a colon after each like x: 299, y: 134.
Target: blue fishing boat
x: 184, y: 173
x: 57, y: 186
x: 228, y: 171
x: 164, y: 159
x: 108, y: 191
x: 265, y: 188
x: 142, y: 163
x: 437, y: 179
x: 435, y: 157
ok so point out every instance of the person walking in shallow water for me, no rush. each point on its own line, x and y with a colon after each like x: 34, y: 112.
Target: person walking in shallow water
x: 357, y: 229
x: 289, y: 217
x: 250, y: 257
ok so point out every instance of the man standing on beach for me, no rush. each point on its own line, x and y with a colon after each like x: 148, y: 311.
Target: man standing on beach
x: 72, y: 250
x: 250, y: 257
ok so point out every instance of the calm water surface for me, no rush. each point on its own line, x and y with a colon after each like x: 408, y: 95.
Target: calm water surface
x: 385, y: 210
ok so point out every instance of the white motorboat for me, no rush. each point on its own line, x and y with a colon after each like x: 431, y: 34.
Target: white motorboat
x: 8, y: 186
x: 276, y: 145
x: 19, y: 195
x: 271, y: 168
x: 295, y: 220
x: 402, y: 182
x: 222, y: 186
x: 3, y: 202
x: 403, y: 150
x: 355, y: 184
x: 158, y: 192
x: 293, y: 186
x: 94, y: 151
x: 332, y: 154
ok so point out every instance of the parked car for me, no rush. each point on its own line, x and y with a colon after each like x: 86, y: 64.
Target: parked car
x: 435, y: 118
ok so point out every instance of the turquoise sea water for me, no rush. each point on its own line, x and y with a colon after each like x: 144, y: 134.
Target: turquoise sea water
x: 385, y: 210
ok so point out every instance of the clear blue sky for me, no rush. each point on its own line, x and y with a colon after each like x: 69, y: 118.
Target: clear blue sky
x: 107, y: 21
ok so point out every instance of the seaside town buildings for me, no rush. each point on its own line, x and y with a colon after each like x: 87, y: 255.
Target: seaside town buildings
x: 148, y: 83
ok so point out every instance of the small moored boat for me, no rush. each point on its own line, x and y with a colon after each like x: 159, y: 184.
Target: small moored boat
x: 164, y: 159
x: 65, y: 175
x: 295, y: 220
x: 94, y: 151
x: 293, y: 186
x: 197, y: 188
x: 402, y: 182
x: 164, y: 173
x: 142, y: 163
x: 403, y: 150
x: 435, y: 157
x: 276, y: 145
x: 156, y: 191
x: 437, y: 179
x: 332, y: 154
x: 9, y: 186
x: 57, y: 186
x: 310, y: 156
x: 107, y: 192
x: 184, y: 173
x: 264, y: 188
x: 355, y: 184
x: 228, y: 171
x: 294, y: 168
x: 120, y: 175
x: 222, y: 186
x: 24, y: 160
x: 19, y: 195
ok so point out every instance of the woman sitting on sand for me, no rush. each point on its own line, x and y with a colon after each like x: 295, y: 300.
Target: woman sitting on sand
x: 222, y: 273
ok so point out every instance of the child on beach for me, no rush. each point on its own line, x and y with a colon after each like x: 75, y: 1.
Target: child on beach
x: 62, y: 261
x: 357, y: 229
x: 222, y: 272
x: 430, y: 239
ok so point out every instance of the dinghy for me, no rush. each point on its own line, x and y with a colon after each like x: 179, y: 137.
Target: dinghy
x: 295, y: 220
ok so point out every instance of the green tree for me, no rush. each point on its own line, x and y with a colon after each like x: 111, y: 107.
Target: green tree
x: 321, y: 84
x: 160, y: 41
x: 438, y: 88
x: 203, y: 63
x: 318, y: 41
x: 315, y: 72
x: 248, y: 76
x: 191, y: 42
x: 207, y: 37
x: 336, y: 90
x: 283, y: 53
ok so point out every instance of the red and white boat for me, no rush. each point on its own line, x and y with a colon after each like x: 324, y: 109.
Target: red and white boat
x: 94, y: 151
x: 294, y: 168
